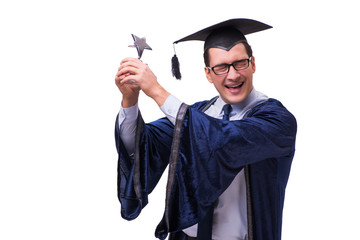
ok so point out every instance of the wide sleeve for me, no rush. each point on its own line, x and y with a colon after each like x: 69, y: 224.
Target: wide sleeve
x: 139, y: 174
x: 213, y: 151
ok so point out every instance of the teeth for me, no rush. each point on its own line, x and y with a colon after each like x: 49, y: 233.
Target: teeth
x: 238, y: 85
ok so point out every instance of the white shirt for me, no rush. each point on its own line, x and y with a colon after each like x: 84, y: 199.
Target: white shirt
x: 230, y: 212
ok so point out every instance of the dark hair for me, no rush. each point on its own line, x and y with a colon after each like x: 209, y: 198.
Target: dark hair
x: 244, y: 42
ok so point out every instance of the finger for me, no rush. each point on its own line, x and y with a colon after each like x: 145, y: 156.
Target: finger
x: 130, y: 64
x: 127, y: 60
x: 130, y: 79
x: 133, y: 63
x: 128, y: 70
x: 118, y: 73
x: 118, y: 78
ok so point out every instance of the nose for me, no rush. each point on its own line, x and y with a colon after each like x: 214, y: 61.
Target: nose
x: 233, y: 73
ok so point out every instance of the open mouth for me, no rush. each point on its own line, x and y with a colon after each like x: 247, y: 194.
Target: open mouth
x: 234, y: 86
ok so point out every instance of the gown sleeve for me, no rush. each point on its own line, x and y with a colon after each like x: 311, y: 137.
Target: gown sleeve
x: 139, y: 174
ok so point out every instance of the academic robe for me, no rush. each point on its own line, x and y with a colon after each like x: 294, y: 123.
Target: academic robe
x: 204, y: 156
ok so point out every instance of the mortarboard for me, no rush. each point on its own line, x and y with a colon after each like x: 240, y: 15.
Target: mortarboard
x: 223, y: 35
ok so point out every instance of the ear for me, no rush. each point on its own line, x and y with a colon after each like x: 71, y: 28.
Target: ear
x: 253, y: 64
x: 208, y: 74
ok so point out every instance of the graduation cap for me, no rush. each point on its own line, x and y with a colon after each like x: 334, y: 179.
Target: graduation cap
x: 223, y: 35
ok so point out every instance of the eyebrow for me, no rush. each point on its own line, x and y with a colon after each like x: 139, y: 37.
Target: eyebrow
x: 230, y: 63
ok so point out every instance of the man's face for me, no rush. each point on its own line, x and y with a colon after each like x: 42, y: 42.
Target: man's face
x: 234, y: 86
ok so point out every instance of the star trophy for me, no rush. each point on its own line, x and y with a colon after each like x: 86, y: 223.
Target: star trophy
x: 140, y: 45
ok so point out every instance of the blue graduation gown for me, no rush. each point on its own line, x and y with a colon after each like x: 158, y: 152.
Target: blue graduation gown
x: 204, y: 156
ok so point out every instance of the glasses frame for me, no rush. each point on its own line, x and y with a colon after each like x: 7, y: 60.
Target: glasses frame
x: 228, y: 66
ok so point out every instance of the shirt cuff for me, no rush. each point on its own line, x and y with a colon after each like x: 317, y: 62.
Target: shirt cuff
x: 171, y: 107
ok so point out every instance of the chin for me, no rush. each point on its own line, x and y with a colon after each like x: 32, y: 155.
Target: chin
x: 235, y: 99
x: 235, y: 96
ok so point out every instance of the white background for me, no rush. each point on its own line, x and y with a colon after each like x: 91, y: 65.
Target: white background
x: 58, y: 102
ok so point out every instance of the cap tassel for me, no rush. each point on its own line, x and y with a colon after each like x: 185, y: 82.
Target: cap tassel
x: 175, y: 66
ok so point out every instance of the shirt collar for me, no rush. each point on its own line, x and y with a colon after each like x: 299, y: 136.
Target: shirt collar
x: 253, y: 99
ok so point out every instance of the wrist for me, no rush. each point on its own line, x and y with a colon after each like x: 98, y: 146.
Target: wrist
x: 159, y: 95
x: 129, y: 101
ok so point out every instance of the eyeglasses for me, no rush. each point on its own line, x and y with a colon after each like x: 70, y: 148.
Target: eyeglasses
x: 237, y: 65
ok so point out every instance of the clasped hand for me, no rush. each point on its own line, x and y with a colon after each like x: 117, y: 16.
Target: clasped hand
x: 133, y: 76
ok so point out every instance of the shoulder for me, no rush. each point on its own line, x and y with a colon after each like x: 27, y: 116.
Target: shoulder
x: 274, y: 111
x: 202, y: 104
x: 271, y: 104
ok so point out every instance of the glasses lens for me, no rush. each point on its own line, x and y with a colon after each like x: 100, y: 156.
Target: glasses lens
x: 221, y: 69
x: 241, y: 64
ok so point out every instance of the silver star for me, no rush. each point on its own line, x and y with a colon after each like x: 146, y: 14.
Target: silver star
x: 140, y: 44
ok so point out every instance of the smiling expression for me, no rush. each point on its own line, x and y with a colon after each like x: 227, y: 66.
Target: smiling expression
x: 235, y: 86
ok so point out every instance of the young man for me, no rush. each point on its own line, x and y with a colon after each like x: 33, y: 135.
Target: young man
x: 229, y: 158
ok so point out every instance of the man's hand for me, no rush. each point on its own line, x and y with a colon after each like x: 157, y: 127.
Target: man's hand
x: 130, y: 91
x: 138, y: 75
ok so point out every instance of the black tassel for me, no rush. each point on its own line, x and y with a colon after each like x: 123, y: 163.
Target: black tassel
x: 175, y: 67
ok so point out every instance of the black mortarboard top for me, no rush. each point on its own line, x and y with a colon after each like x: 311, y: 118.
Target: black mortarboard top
x: 223, y: 35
